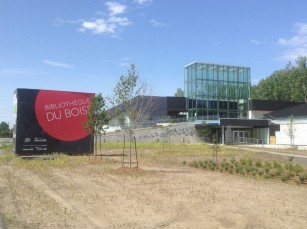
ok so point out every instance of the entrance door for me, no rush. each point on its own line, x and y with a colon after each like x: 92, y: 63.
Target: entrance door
x: 240, y: 137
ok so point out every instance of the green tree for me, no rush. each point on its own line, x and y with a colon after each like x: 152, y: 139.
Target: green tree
x: 5, y: 131
x: 131, y: 103
x: 288, y: 84
x: 301, y: 71
x: 97, y: 118
x: 207, y: 133
x: 179, y: 92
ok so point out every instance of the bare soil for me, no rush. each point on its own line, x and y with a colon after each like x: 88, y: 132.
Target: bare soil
x: 160, y: 194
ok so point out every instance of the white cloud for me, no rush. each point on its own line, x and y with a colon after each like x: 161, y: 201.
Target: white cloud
x: 58, y: 64
x: 142, y: 2
x: 98, y: 26
x: 296, y: 45
x: 110, y: 24
x: 156, y: 23
x: 102, y: 26
x: 255, y: 42
x: 116, y: 8
x: 122, y: 21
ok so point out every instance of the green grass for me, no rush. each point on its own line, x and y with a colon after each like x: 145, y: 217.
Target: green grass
x: 231, y: 160
x: 7, y: 148
x: 177, y: 149
x: 43, y: 165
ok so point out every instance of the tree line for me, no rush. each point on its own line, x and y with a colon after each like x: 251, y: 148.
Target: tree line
x: 5, y: 131
x: 288, y: 84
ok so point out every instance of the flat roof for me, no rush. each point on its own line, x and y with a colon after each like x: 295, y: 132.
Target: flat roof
x: 227, y: 65
x: 238, y: 122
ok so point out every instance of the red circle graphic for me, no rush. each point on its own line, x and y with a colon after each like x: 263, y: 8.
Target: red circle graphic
x: 61, y: 114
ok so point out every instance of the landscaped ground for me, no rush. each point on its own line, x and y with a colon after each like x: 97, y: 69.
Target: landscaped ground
x: 78, y: 192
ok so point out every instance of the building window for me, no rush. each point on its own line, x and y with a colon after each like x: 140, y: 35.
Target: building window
x: 215, y: 91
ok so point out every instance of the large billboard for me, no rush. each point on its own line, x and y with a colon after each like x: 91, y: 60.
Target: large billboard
x: 50, y: 121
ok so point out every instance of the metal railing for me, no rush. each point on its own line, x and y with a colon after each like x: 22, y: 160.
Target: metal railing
x: 247, y: 141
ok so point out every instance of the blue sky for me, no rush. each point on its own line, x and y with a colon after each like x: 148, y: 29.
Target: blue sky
x: 85, y: 45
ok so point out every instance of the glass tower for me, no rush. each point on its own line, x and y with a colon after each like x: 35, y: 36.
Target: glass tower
x: 216, y: 91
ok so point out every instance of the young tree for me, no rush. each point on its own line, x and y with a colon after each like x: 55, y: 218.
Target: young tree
x: 131, y: 103
x: 166, y: 135
x: 179, y: 92
x: 291, y: 130
x: 215, y: 148
x: 97, y: 117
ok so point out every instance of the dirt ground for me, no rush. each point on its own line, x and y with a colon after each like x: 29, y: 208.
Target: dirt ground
x: 100, y: 194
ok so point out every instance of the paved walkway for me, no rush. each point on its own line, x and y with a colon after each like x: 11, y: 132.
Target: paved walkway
x: 292, y: 157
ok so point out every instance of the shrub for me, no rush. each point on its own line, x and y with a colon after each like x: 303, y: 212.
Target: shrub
x: 255, y: 173
x: 267, y: 169
x: 211, y: 167
x: 242, y: 161
x: 233, y: 160
x: 194, y: 164
x: 249, y: 162
x: 303, y: 177
x: 268, y: 164
x: 277, y: 164
x: 289, y: 166
x: 267, y: 176
x: 224, y: 163
x: 286, y: 176
x: 238, y: 168
x: 297, y: 169
x: 248, y: 169
x: 291, y: 174
x: 261, y: 172
x: 279, y: 171
x: 258, y: 163
x: 242, y: 171
x: 272, y: 174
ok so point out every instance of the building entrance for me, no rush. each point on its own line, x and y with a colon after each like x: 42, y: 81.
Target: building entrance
x: 240, y: 137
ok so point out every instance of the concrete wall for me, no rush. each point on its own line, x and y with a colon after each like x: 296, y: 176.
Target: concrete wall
x: 300, y: 134
x: 177, y: 133
x: 4, y: 141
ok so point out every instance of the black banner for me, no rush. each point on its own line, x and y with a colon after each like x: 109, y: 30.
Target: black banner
x: 51, y: 122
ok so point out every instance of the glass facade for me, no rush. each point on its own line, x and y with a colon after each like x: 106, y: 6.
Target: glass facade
x: 216, y: 91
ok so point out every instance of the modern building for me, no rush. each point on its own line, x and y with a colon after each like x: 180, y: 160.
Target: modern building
x: 217, y: 96
x: 264, y: 108
x: 216, y: 91
x: 156, y: 109
x: 284, y: 128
